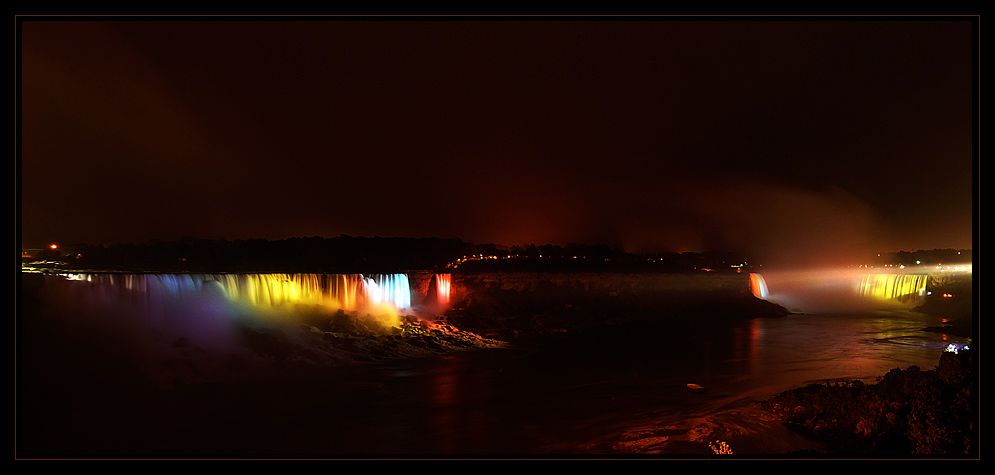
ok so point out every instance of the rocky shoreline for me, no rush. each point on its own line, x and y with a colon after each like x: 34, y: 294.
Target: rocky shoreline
x: 908, y: 413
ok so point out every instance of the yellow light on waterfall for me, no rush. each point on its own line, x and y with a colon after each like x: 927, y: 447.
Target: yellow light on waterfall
x: 892, y: 286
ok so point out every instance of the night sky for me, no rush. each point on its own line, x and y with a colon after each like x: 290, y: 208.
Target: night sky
x: 658, y: 134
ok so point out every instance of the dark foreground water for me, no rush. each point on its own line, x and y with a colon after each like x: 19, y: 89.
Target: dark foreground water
x: 607, y: 392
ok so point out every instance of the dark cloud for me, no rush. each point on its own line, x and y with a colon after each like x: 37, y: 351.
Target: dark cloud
x: 651, y: 135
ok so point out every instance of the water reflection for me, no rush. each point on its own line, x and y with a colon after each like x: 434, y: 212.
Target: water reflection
x: 615, y: 390
x: 622, y: 391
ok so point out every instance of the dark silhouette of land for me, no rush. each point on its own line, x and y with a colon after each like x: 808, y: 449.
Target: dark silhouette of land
x: 352, y: 254
x: 349, y: 254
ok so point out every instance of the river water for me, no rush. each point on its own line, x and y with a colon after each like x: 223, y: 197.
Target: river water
x: 610, y: 392
x: 625, y: 393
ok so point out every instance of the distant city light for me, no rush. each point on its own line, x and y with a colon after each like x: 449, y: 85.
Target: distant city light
x: 952, y: 348
x: 955, y: 268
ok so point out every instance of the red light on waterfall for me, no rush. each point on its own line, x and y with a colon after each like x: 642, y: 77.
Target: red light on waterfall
x: 443, y: 283
x: 758, y: 286
x: 53, y: 246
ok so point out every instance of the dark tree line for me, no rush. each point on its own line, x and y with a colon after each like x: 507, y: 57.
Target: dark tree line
x: 929, y: 257
x: 349, y: 254
x: 343, y: 254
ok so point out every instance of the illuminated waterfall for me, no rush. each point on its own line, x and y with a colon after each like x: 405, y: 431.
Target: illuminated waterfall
x: 390, y: 288
x: 345, y: 291
x: 442, y: 285
x: 758, y: 286
x: 901, y: 287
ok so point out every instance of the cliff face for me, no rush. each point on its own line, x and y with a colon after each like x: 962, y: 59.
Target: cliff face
x: 512, y: 305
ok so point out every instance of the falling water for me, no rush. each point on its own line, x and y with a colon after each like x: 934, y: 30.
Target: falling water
x: 340, y: 291
x: 389, y: 288
x: 442, y: 285
x: 758, y: 286
x: 836, y: 290
x: 211, y: 311
x: 900, y: 287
